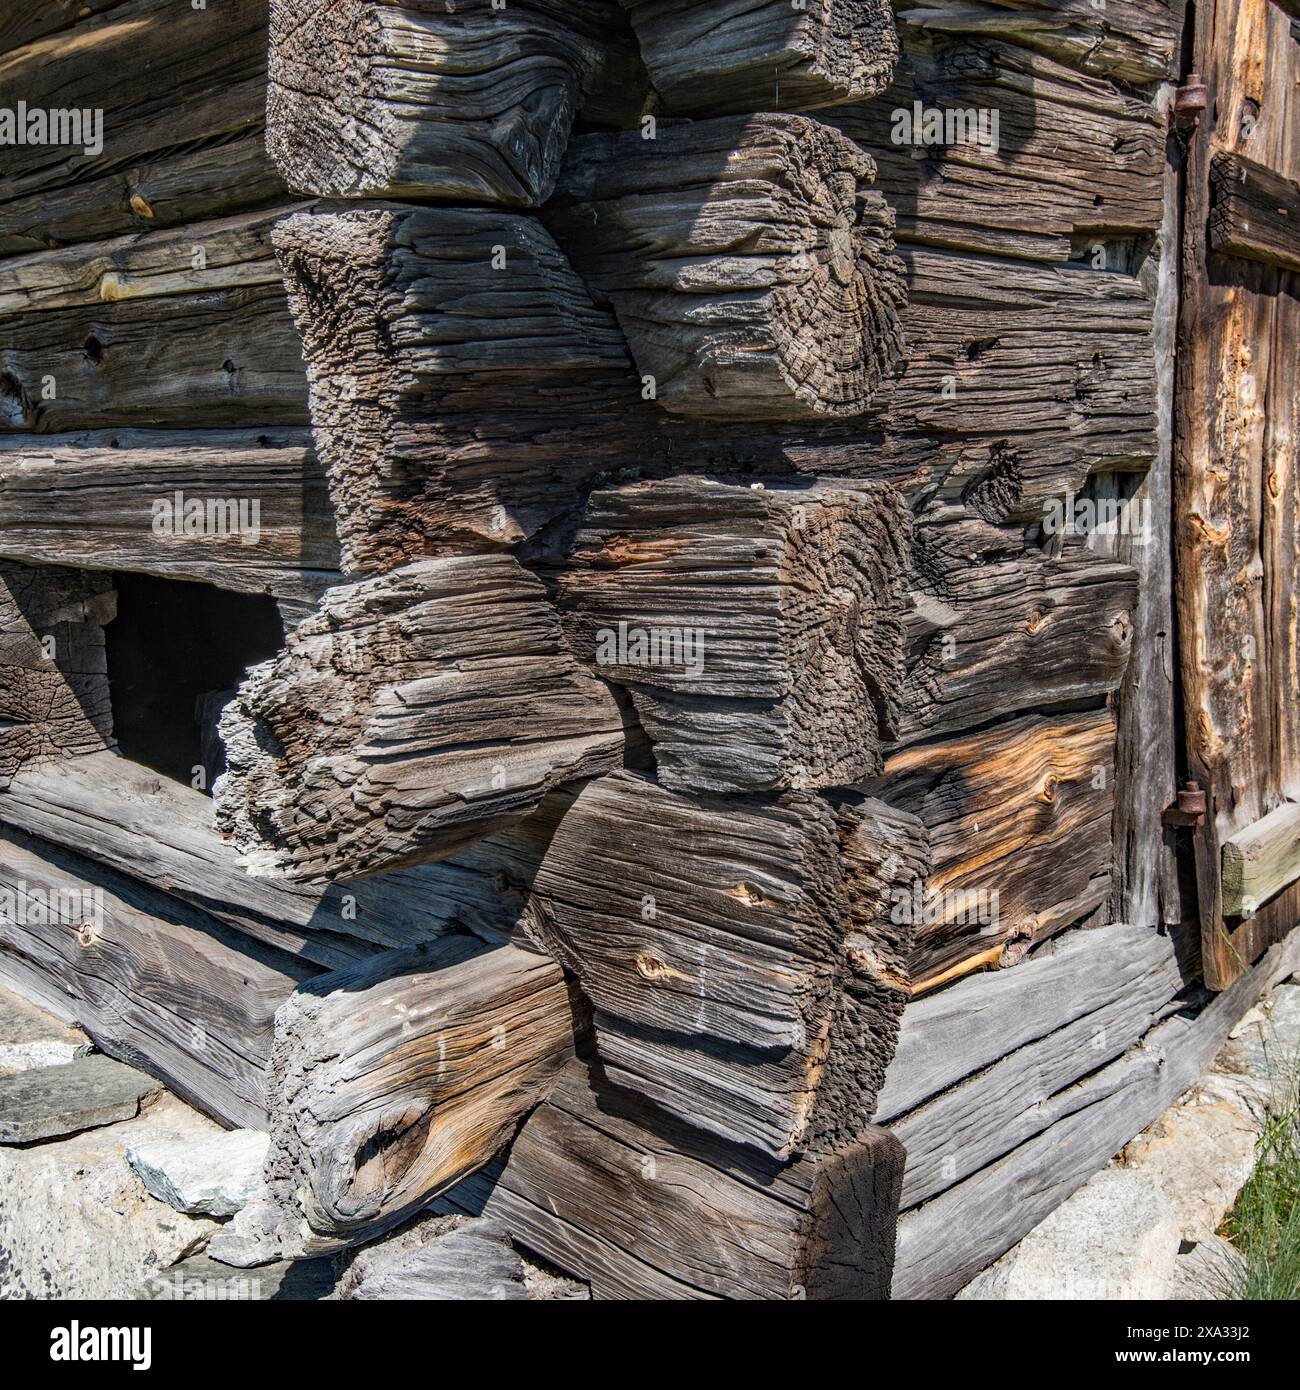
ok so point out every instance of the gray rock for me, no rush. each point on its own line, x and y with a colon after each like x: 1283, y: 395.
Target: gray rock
x: 29, y: 1037
x: 76, y: 1222
x: 48, y: 1102
x: 1116, y: 1238
x: 442, y: 1258
x: 1210, y: 1270
x: 216, y: 1176
x: 201, y: 1279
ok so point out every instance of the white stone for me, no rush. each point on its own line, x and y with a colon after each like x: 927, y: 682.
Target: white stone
x: 1116, y: 1238
x: 214, y: 1176
x: 1210, y: 1270
x: 31, y: 1038
x: 76, y: 1222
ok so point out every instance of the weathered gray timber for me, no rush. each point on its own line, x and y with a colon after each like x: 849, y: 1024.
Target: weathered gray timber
x: 409, y: 317
x: 759, y: 629
x: 733, y: 55
x: 473, y: 1262
x: 50, y: 1102
x: 54, y: 700
x: 214, y: 56
x: 1255, y: 212
x: 741, y: 957
x: 1261, y: 860
x: 153, y: 982
x: 412, y: 715
x: 395, y: 1079
x: 751, y: 270
x: 242, y: 509
x: 1019, y: 817
x: 991, y: 617
x: 946, y: 1241
x: 647, y: 1208
x: 472, y: 102
x: 162, y: 834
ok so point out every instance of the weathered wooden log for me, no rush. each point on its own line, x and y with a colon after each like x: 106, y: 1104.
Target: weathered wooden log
x: 157, y: 984
x: 54, y: 700
x: 758, y: 628
x: 161, y: 833
x: 413, y: 322
x: 753, y: 274
x: 644, y: 1207
x: 1255, y: 213
x: 717, y: 942
x: 976, y: 1062
x: 990, y: 620
x: 394, y: 1080
x: 1261, y: 860
x: 215, y: 55
x: 245, y: 510
x: 473, y: 102
x: 1019, y: 819
x: 944, y: 1243
x: 733, y: 55
x: 412, y: 715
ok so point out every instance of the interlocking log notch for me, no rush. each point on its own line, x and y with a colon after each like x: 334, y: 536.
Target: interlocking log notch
x: 412, y: 715
x: 470, y: 101
x: 754, y: 275
x: 735, y: 55
x: 743, y: 956
x: 428, y: 333
x: 759, y: 629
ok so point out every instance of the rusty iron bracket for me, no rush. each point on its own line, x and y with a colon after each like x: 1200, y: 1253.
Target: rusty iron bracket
x: 1189, y: 103
x: 1188, y: 812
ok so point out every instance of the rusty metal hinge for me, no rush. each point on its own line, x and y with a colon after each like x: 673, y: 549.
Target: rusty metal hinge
x: 1189, y: 103
x: 1188, y: 812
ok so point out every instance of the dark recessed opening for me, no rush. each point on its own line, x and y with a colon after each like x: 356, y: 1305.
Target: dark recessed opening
x: 176, y: 652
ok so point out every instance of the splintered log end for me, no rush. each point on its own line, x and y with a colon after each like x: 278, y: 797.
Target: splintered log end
x: 423, y: 329
x: 396, y: 1079
x: 752, y: 273
x: 474, y: 102
x: 412, y: 715
x: 744, y: 960
x: 735, y: 55
x: 759, y: 630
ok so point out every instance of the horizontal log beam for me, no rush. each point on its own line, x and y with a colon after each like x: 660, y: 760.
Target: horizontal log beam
x: 395, y: 1080
x: 734, y: 56
x: 643, y: 1207
x: 162, y: 987
x: 742, y: 958
x: 752, y: 272
x: 1254, y: 213
x: 412, y: 715
x: 1260, y: 861
x: 474, y: 103
x: 759, y: 629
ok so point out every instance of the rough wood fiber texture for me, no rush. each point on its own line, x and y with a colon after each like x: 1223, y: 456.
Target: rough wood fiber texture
x: 425, y: 100
x: 740, y: 955
x: 738, y: 56
x: 1019, y: 818
x: 753, y: 274
x: 205, y: 86
x: 759, y: 631
x: 155, y: 983
x: 1261, y: 860
x: 161, y: 833
x: 645, y: 1207
x: 1083, y: 157
x: 417, y: 326
x: 54, y: 700
x: 27, y: 20
x: 945, y: 1242
x: 412, y: 715
x: 991, y: 620
x: 109, y: 500
x: 1254, y: 213
x: 1236, y: 482
x: 1133, y: 41
x: 394, y: 1080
